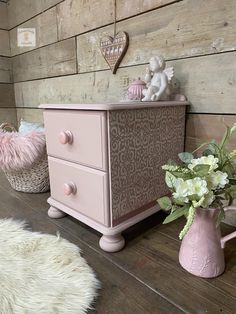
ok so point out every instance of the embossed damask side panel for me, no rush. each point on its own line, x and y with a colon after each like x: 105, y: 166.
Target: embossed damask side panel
x: 141, y: 141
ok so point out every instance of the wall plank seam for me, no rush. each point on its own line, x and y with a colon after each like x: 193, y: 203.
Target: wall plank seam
x: 10, y: 29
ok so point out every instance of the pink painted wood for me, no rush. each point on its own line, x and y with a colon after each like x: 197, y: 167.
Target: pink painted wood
x: 83, y: 189
x: 82, y: 170
x: 77, y: 136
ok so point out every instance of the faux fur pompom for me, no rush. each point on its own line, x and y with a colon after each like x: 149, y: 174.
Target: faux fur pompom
x: 18, y: 151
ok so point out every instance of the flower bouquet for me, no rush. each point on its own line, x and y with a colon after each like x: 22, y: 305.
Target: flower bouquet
x: 205, y: 182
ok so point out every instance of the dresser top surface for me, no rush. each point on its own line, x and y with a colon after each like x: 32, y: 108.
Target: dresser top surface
x: 115, y: 106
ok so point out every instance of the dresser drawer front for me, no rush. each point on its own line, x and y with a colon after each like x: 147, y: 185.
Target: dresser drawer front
x: 83, y: 189
x: 77, y: 136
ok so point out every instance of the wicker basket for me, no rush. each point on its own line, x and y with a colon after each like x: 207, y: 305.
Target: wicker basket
x: 33, y: 179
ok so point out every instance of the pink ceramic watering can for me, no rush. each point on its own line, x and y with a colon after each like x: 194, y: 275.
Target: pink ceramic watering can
x: 201, y: 252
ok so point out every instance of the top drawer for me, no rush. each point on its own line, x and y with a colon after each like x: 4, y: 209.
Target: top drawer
x: 78, y: 136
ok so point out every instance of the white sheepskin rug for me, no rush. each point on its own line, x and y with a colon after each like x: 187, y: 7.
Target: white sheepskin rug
x: 42, y: 274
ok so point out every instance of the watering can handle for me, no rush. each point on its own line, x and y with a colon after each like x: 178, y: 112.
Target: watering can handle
x: 231, y: 235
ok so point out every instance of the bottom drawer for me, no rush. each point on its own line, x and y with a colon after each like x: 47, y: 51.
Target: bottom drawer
x: 81, y: 188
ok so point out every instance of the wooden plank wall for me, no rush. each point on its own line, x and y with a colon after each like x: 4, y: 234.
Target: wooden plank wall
x: 7, y: 100
x: 196, y: 37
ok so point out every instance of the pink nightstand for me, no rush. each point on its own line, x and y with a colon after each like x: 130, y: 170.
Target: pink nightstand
x: 105, y: 161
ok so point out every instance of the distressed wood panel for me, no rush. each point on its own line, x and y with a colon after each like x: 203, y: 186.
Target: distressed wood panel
x: 5, y: 70
x: 3, y: 16
x: 46, y: 31
x: 4, y: 43
x: 54, y: 60
x: 8, y: 115
x: 31, y: 115
x: 21, y: 10
x: 129, y: 8
x: 201, y: 128
x: 175, y: 31
x: 208, y: 82
x: 88, y: 88
x: 7, y: 98
x: 75, y: 17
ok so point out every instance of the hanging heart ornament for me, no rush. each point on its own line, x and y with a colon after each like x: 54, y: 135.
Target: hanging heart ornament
x: 114, y: 48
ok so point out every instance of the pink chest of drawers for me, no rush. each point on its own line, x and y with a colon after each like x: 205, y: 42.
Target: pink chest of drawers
x: 105, y: 162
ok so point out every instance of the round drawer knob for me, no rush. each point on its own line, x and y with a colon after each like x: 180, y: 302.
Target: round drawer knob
x: 66, y: 137
x: 69, y: 188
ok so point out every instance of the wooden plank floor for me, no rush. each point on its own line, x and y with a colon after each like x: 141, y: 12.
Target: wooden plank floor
x: 143, y: 278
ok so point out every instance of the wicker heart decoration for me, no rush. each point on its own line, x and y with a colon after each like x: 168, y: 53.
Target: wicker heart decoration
x: 114, y: 48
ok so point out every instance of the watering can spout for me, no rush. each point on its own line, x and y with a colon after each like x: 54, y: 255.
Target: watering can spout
x: 231, y: 235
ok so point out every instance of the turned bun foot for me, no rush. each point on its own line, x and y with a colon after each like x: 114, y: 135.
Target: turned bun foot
x: 112, y: 243
x: 55, y: 213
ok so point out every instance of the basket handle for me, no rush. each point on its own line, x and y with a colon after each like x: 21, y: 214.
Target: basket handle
x: 7, y: 127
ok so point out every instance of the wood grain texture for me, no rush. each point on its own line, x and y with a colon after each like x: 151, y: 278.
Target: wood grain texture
x: 151, y: 256
x: 7, y: 98
x: 8, y: 115
x: 208, y: 82
x: 5, y: 70
x: 53, y: 60
x: 175, y: 31
x: 46, y: 31
x: 121, y: 292
x: 82, y: 88
x: 194, y: 78
x: 75, y: 17
x: 3, y: 16
x: 130, y: 8
x: 4, y: 43
x: 201, y: 128
x: 21, y: 10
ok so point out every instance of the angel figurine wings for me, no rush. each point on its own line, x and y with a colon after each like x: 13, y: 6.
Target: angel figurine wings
x: 157, y: 79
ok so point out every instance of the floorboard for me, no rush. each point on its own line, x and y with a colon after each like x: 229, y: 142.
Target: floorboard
x: 145, y: 277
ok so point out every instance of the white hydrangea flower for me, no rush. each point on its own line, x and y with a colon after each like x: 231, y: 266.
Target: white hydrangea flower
x: 170, y: 167
x: 217, y: 180
x: 205, y: 160
x: 197, y: 186
x: 183, y: 189
x: 208, y: 199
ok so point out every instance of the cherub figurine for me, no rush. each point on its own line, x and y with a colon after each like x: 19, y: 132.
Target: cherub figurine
x: 157, y: 79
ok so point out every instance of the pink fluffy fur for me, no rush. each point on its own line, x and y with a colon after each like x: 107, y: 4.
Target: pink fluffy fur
x: 18, y: 151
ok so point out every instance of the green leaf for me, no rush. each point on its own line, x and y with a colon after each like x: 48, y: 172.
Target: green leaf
x: 165, y: 203
x: 221, y: 216
x: 170, y: 179
x: 182, y: 175
x: 225, y: 137
x: 232, y: 181
x: 185, y: 157
x: 202, y: 145
x: 193, y: 197
x: 179, y: 201
x: 171, y: 162
x: 208, y: 152
x: 176, y: 214
x: 201, y: 170
x: 214, y: 148
x: 233, y: 128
